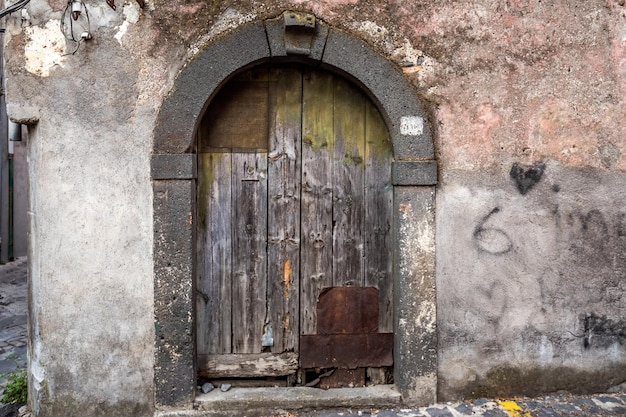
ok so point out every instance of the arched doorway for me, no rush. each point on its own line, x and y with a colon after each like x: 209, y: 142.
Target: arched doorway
x: 294, y: 232
x: 292, y: 37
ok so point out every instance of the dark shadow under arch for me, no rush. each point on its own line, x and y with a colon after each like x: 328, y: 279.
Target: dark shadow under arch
x: 293, y: 37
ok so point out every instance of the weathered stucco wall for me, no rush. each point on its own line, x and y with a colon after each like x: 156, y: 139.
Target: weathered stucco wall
x: 90, y: 218
x: 534, y: 283
x: 529, y: 107
x: 526, y: 99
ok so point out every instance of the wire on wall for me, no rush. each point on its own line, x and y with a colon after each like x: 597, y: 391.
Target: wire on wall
x: 75, y: 24
x: 13, y: 8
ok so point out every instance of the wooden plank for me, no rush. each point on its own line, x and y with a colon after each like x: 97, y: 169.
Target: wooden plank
x: 316, y: 206
x: 237, y: 117
x: 214, y: 237
x: 348, y: 184
x: 346, y: 350
x: 379, y: 376
x: 344, y: 378
x: 347, y: 310
x: 378, y: 212
x: 248, y: 365
x: 279, y: 381
x: 283, y: 171
x: 249, y: 286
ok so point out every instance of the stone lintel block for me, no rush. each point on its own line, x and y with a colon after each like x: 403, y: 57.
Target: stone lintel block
x: 173, y: 297
x: 414, y: 173
x: 173, y: 167
x: 415, y: 343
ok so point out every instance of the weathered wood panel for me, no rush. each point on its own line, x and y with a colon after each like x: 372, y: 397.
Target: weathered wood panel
x: 237, y: 118
x: 348, y: 185
x: 213, y: 298
x: 316, y: 207
x: 248, y: 365
x: 378, y: 215
x: 249, y: 286
x: 283, y: 170
x: 277, y: 228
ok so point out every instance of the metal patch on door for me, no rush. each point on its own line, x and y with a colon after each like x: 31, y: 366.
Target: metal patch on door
x: 347, y: 331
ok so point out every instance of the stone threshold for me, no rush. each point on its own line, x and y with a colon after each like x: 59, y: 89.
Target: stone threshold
x: 268, y: 401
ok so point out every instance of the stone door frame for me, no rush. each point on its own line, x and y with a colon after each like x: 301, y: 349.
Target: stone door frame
x: 293, y: 36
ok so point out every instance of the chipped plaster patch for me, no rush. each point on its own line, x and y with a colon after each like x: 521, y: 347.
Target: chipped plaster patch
x: 407, y: 53
x: 372, y: 29
x: 426, y: 318
x: 131, y: 12
x: 419, y: 235
x: 425, y: 237
x: 45, y: 48
x: 230, y: 19
x: 131, y: 15
x: 122, y: 31
x: 413, y: 60
x: 423, y: 389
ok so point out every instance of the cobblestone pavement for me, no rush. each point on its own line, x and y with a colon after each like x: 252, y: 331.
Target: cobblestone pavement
x: 13, y: 308
x: 601, y: 405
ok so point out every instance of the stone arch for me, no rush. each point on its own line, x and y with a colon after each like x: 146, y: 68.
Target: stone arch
x: 293, y: 37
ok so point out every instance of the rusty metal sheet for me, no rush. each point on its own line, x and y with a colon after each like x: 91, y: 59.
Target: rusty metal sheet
x: 347, y: 310
x: 344, y: 378
x: 346, y: 350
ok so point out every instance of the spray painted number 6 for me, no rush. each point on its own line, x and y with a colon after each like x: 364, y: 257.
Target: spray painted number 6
x: 491, y: 240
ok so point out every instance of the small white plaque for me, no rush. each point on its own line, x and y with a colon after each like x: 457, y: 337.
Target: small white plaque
x: 411, y: 125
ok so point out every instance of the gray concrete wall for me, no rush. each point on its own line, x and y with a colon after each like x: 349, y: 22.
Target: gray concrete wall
x: 529, y: 267
x: 534, y: 288
x: 90, y: 265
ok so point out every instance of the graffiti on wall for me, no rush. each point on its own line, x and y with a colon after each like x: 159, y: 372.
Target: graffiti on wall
x: 526, y: 176
x: 491, y: 239
x: 573, y: 244
x: 585, y: 225
x: 601, y: 331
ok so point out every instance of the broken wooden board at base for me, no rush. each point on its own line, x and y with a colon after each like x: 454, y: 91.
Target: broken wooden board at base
x: 344, y: 378
x: 247, y: 365
x: 346, y: 350
x: 379, y: 376
x: 249, y: 382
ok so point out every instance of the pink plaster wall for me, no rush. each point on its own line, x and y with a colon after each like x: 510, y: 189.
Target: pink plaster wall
x: 522, y: 80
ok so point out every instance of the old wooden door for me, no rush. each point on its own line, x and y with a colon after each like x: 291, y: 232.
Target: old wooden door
x: 294, y: 198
